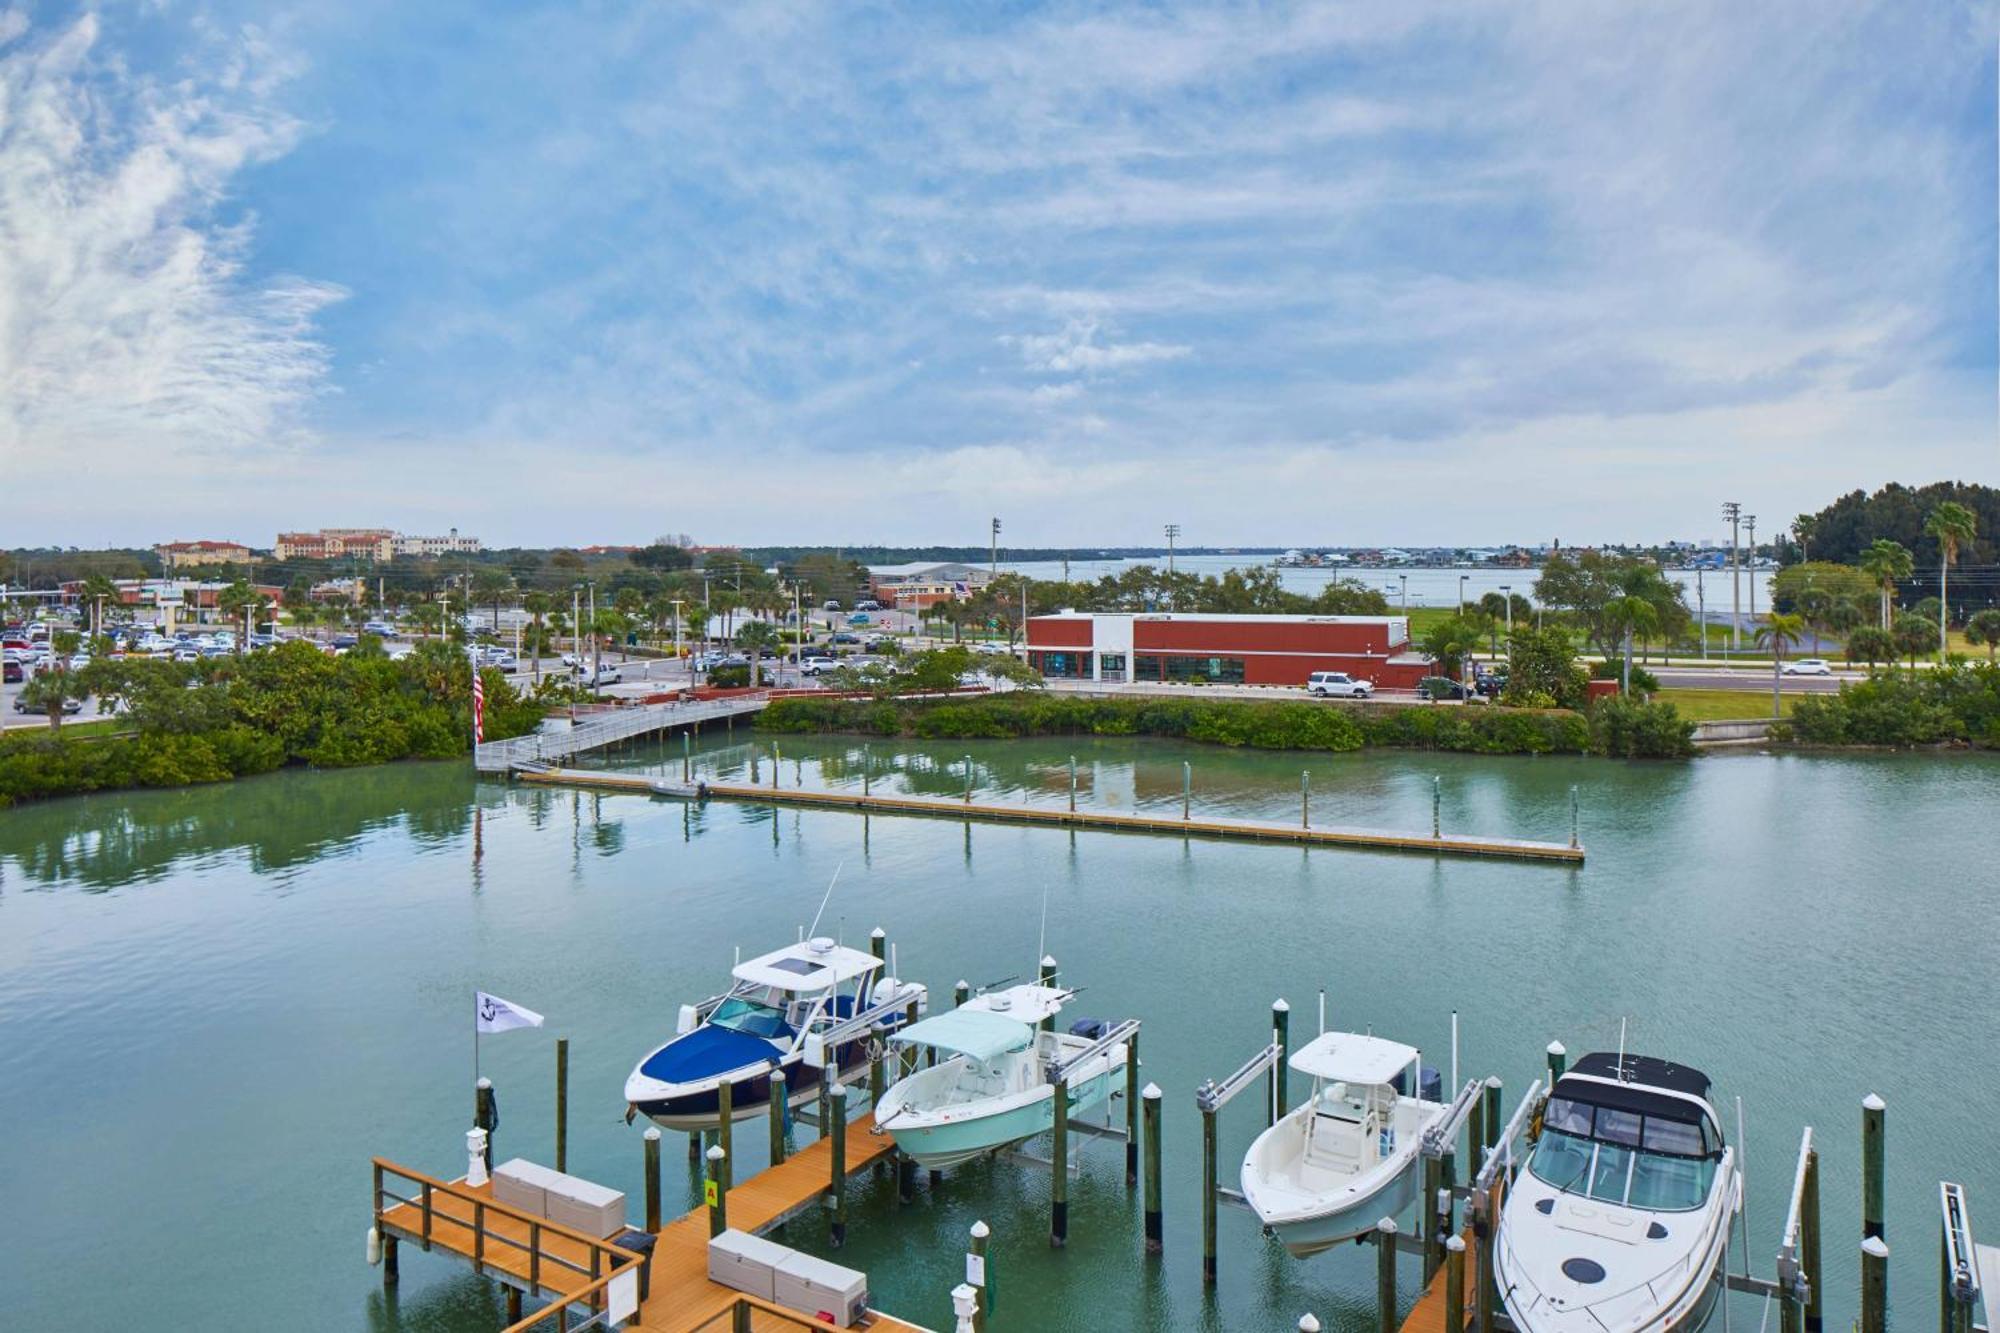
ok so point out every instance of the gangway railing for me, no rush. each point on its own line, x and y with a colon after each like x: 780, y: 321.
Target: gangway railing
x: 1961, y: 1285
x: 540, y: 747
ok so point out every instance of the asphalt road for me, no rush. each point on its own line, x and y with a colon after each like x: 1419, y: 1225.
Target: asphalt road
x: 1750, y: 678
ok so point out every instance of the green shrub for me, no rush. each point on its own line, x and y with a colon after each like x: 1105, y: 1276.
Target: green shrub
x: 1626, y: 728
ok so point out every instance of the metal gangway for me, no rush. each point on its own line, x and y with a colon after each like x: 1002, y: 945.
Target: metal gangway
x: 551, y: 744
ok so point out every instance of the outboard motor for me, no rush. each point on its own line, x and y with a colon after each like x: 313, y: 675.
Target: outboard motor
x: 885, y: 990
x: 1092, y: 1028
x: 1429, y: 1080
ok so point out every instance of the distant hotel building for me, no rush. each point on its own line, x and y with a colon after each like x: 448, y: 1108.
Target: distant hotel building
x: 1222, y: 649
x: 376, y: 544
x: 188, y: 555
x: 918, y: 585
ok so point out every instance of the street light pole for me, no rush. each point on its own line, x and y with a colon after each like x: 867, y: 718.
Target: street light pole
x: 1750, y: 527
x: 1507, y: 591
x: 1404, y: 579
x: 1461, y: 593
x: 1734, y: 513
x: 1701, y: 604
x: 596, y: 657
x: 993, y: 558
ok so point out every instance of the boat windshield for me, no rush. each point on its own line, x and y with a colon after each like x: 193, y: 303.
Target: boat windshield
x: 1640, y: 1161
x: 740, y: 1013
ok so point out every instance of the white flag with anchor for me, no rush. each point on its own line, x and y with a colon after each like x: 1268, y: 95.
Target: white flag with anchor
x: 498, y: 1015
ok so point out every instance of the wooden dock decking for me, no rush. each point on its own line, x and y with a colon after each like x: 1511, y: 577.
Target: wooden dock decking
x: 1242, y: 830
x: 464, y: 1221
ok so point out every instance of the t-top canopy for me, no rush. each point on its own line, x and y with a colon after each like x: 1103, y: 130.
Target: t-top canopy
x: 816, y: 965
x: 1026, y: 1003
x: 978, y: 1033
x: 1350, y: 1057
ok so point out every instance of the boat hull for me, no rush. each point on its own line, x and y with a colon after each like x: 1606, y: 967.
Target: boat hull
x: 936, y: 1145
x: 1358, y: 1216
x: 700, y: 1106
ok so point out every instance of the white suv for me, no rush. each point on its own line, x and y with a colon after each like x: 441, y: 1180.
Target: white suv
x: 812, y: 666
x: 1809, y: 666
x: 1338, y: 685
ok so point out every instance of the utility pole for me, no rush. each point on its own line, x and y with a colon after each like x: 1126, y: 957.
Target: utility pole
x: 576, y: 622
x: 1750, y: 529
x: 1734, y: 513
x: 1173, y: 533
x: 1404, y: 579
x: 596, y: 658
x: 993, y: 558
x: 677, y: 630
x: 1701, y: 613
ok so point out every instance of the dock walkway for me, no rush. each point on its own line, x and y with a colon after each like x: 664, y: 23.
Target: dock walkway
x: 1207, y: 826
x: 598, y: 730
x: 551, y: 1263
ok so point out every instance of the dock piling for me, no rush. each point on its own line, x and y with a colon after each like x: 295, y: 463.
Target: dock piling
x: 1132, y: 1111
x: 1208, y: 1196
x: 1059, y: 1158
x: 725, y: 1109
x: 1437, y: 807
x: 391, y: 1270
x: 1072, y: 784
x: 1454, y: 1284
x: 1558, y: 1061
x: 1048, y: 978
x: 652, y: 1137
x: 1493, y: 1125
x: 1430, y: 1219
x: 562, y: 1103
x: 1150, y: 1101
x: 960, y: 994
x: 484, y: 1114
x: 1572, y: 817
x: 1873, y: 1109
x: 968, y: 779
x: 780, y: 1096
x: 878, y: 944
x: 982, y: 1275
x: 1874, y: 1284
x: 1305, y: 802
x: 1809, y: 1230
x: 1385, y: 1274
x: 837, y: 1100
x: 1187, y: 788
x: 687, y: 756
x: 1281, y: 1026
x: 1475, y: 1134
x: 717, y: 1194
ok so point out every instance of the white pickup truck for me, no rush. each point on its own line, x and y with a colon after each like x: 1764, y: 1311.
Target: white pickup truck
x: 1338, y: 685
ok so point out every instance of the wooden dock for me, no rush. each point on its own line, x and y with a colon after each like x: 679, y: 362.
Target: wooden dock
x: 552, y: 1265
x: 1236, y: 830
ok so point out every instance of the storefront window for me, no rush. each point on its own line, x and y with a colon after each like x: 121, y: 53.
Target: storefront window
x: 1111, y: 666
x: 1215, y: 670
x: 1062, y: 666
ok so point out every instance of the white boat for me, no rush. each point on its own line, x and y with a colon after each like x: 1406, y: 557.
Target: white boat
x: 1620, y: 1223
x: 990, y: 1086
x: 766, y: 1021
x: 1339, y: 1163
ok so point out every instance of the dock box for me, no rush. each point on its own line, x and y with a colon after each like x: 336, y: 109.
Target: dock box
x: 583, y: 1205
x: 746, y: 1263
x: 820, y: 1290
x: 522, y: 1185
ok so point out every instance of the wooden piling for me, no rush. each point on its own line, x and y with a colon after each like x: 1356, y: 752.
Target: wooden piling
x: 717, y: 1192
x: 1454, y: 1284
x: 960, y: 994
x: 1433, y: 1226
x: 1874, y: 1284
x: 1048, y: 978
x: 562, y: 1103
x: 687, y: 757
x: 1150, y: 1101
x: 837, y: 1101
x: 652, y: 1137
x: 1437, y: 807
x: 1059, y: 1156
x: 1207, y: 1197
x: 1305, y: 798
x: 1809, y: 1232
x: 1493, y: 1123
x: 1281, y: 1035
x: 780, y: 1103
x: 513, y: 1304
x: 484, y: 1115
x: 878, y: 944
x: 1873, y: 1156
x: 968, y: 779
x: 1475, y: 1135
x: 1484, y: 1225
x: 1558, y: 1061
x: 980, y: 1233
x: 725, y: 1106
x: 1132, y: 1110
x: 1385, y: 1274
x: 391, y: 1269
x: 1187, y: 789
x: 1072, y: 784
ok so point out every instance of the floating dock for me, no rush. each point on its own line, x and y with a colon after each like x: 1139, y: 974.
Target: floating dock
x: 552, y: 1264
x: 1206, y: 826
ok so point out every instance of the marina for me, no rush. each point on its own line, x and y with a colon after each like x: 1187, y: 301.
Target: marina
x: 493, y: 886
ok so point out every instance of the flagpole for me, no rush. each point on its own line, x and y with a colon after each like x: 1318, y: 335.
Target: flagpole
x: 475, y: 1038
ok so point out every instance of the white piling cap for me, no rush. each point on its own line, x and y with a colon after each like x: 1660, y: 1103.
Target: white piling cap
x: 484, y: 1083
x: 1492, y: 1080
x: 1875, y: 1247
x: 1387, y: 1226
x: 1455, y: 1243
x: 652, y: 1133
x: 1557, y: 1048
x: 1151, y: 1092
x: 837, y: 1090
x: 1872, y: 1102
x: 878, y: 934
x: 716, y: 1154
x: 777, y: 1076
x: 1048, y: 960
x: 1278, y: 1006
x: 981, y: 1231
x: 1308, y: 1324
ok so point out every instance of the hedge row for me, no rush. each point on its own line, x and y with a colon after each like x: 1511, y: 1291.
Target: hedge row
x: 1958, y: 704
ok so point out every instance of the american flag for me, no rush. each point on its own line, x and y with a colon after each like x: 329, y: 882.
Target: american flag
x: 478, y: 708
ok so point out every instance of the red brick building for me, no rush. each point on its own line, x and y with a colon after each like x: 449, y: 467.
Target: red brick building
x: 1221, y: 649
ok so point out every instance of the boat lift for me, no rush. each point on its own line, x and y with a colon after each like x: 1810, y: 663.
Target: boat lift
x: 1969, y: 1273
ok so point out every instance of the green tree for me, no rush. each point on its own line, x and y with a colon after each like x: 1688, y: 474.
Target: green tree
x: 1953, y: 526
x: 1913, y: 634
x: 1803, y: 528
x: 1631, y: 614
x: 57, y: 684
x: 753, y: 638
x: 1542, y: 669
x: 1984, y: 627
x: 1591, y: 587
x: 491, y: 587
x: 1887, y: 562
x: 1778, y: 633
x: 1871, y: 644
x: 1449, y: 643
x: 537, y: 604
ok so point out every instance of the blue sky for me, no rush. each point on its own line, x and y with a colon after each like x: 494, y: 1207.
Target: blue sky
x: 1483, y: 270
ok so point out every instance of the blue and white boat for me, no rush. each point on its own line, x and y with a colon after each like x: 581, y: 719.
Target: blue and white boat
x: 990, y: 1086
x: 768, y: 1020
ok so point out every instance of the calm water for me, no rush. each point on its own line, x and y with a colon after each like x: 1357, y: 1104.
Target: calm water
x: 215, y: 1005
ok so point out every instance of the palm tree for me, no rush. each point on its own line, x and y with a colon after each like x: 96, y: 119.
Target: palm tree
x: 1887, y: 561
x: 1778, y: 633
x: 1631, y: 614
x: 96, y: 592
x: 754, y: 638
x: 1802, y: 528
x: 1871, y: 645
x: 1912, y: 634
x: 1953, y: 525
x: 537, y: 605
x: 1984, y: 627
x: 1813, y: 604
x: 490, y: 587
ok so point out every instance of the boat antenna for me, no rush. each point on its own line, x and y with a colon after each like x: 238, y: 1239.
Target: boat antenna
x: 1454, y: 1049
x: 1322, y: 1011
x: 810, y: 930
x: 1621, y: 1050
x: 1042, y: 937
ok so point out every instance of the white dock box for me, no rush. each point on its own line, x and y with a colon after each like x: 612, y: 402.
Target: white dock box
x: 583, y: 1205
x: 821, y: 1290
x: 747, y: 1263
x: 522, y: 1185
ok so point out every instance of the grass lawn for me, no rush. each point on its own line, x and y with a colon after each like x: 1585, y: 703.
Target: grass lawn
x: 1723, y: 705
x: 102, y: 726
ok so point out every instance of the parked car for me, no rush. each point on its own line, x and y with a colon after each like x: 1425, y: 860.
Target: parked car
x: 845, y: 637
x: 1491, y: 684
x: 813, y: 665
x: 860, y: 618
x: 606, y: 674
x: 832, y: 604
x: 69, y: 706
x: 1338, y: 685
x: 868, y: 604
x: 1440, y: 687
x: 379, y: 627
x: 12, y: 672
x: 346, y: 640
x: 1808, y: 666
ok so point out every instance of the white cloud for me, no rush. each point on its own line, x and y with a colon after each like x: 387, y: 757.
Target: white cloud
x: 129, y: 328
x: 1076, y: 350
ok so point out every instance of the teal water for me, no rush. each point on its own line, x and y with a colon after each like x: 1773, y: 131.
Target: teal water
x: 217, y: 1004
